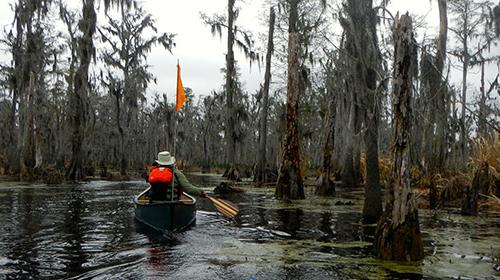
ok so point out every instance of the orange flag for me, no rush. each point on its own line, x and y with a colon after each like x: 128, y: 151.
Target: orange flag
x: 181, y: 95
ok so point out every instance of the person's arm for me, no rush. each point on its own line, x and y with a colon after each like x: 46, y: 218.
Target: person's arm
x: 186, y: 186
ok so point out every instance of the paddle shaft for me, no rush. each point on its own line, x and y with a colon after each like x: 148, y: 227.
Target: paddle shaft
x: 226, y: 208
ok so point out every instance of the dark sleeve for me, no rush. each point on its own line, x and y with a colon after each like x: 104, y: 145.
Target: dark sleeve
x: 185, y: 185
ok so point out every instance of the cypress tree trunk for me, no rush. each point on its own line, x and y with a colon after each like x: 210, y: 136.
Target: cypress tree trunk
x: 372, y: 207
x: 359, y: 47
x: 32, y: 64
x: 206, y: 154
x: 290, y: 185
x: 482, y: 128
x: 232, y: 172
x: 12, y: 154
x: 17, y: 133
x: 359, y: 25
x: 439, y: 86
x: 435, y: 98
x: 465, y: 69
x: 398, y: 236
x: 326, y: 186
x: 496, y: 19
x: 349, y: 174
x: 427, y: 69
x: 28, y: 151
x: 77, y: 100
x: 124, y: 130
x: 260, y: 174
x: 118, y: 96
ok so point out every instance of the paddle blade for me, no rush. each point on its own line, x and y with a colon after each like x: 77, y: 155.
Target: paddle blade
x: 225, y: 207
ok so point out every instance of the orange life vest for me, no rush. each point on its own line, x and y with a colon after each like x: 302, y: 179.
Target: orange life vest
x: 160, y: 174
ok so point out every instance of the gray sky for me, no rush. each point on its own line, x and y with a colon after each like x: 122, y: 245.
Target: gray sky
x: 202, y: 56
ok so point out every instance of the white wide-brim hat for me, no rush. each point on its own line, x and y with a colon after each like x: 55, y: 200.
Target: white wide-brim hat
x: 164, y: 158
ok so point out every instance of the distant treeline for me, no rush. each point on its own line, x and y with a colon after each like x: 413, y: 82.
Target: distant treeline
x: 58, y: 113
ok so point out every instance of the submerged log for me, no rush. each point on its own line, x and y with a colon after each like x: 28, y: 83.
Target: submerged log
x: 233, y: 174
x: 117, y: 176
x: 224, y: 188
x: 397, y: 236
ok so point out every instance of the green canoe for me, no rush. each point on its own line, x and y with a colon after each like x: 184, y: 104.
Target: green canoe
x: 171, y: 216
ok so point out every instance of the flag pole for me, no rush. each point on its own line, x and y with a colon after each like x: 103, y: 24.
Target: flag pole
x: 175, y: 118
x: 175, y: 140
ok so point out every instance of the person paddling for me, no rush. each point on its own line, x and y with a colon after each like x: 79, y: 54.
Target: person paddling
x: 163, y: 175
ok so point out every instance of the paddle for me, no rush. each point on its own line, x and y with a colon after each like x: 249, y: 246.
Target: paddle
x: 225, y: 207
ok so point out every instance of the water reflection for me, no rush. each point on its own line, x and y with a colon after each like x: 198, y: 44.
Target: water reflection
x: 89, y: 231
x: 73, y: 232
x: 157, y: 258
x: 25, y: 217
x: 289, y: 221
x: 326, y: 227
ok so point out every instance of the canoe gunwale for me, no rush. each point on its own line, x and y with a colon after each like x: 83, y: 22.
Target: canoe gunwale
x: 137, y: 202
x: 173, y: 204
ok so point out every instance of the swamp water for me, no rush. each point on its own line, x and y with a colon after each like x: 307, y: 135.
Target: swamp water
x: 88, y: 231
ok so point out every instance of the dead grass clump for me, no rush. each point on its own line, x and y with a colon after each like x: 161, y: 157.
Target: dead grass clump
x: 54, y: 177
x: 452, y: 188
x: 490, y: 204
x: 487, y: 150
x: 304, y: 166
x: 384, y: 166
x: 362, y: 166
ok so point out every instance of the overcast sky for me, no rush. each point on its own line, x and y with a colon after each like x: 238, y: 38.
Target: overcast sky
x: 202, y: 56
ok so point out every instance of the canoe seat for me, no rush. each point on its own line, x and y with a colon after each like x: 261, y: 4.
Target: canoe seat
x: 185, y: 200
x: 144, y: 200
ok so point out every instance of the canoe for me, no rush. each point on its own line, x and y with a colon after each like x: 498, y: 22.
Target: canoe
x: 171, y: 216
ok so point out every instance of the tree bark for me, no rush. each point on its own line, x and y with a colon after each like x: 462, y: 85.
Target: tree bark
x: 350, y: 176
x: 123, y: 163
x: 397, y: 236
x: 28, y: 151
x: 70, y: 79
x: 435, y: 98
x: 77, y: 100
x: 127, y: 106
x: 326, y: 186
x: 33, y: 158
x: 260, y: 174
x: 372, y: 207
x: 465, y: 67
x: 481, y: 128
x: 363, y: 62
x: 440, y: 88
x: 18, y: 87
x: 290, y: 185
x: 232, y: 171
x: 12, y: 154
